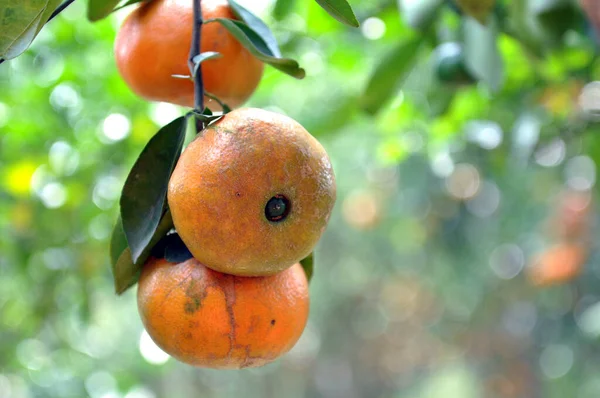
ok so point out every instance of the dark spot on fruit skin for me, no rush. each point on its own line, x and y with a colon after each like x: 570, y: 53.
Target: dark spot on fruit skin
x: 239, y: 195
x: 277, y: 208
x: 272, y: 322
x: 192, y: 305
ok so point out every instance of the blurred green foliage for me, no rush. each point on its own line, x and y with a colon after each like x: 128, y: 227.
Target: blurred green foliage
x: 421, y: 284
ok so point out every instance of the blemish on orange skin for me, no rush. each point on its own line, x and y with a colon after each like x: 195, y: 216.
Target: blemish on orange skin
x: 233, y: 324
x: 262, y: 155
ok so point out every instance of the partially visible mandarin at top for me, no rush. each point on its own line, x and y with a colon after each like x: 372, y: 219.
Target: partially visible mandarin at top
x: 252, y: 194
x: 153, y: 44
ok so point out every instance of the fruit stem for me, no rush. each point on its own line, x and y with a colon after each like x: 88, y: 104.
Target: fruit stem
x: 194, y: 51
x: 58, y: 10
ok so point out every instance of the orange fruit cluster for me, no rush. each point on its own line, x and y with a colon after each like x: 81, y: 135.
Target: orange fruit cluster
x: 250, y: 197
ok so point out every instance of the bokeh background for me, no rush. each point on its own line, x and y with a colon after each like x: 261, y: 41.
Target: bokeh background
x: 461, y: 259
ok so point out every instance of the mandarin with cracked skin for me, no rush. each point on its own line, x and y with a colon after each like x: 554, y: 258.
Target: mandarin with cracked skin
x: 208, y: 319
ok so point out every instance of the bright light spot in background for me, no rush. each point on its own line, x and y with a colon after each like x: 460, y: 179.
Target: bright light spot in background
x: 464, y: 182
x: 116, y: 127
x: 100, y: 227
x: 442, y: 164
x: 589, y: 320
x: 312, y: 62
x: 106, y: 191
x: 487, y: 135
x: 373, y: 28
x: 589, y: 99
x: 150, y: 351
x: 64, y: 96
x: 5, y: 387
x: 526, y: 133
x: 53, y: 195
x: 63, y: 158
x: 486, y: 202
x: 556, y: 361
x: 551, y: 154
x: 163, y: 113
x: 56, y: 258
x: 447, y: 50
x: 13, y: 386
x: 32, y: 354
x: 580, y: 173
x: 507, y: 261
x: 101, y: 384
x: 140, y: 392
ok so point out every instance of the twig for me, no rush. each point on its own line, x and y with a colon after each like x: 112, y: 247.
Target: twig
x: 194, y: 51
x: 58, y: 10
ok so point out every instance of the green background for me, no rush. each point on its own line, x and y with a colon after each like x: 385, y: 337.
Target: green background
x: 445, y: 186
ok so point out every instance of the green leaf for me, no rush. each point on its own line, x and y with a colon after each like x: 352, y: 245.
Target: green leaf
x: 340, y: 10
x: 143, y: 199
x: 257, y: 46
x: 390, y: 72
x: 308, y: 265
x: 482, y: 55
x: 125, y: 271
x: 20, y: 22
x: 175, y: 251
x: 419, y: 14
x: 257, y: 25
x: 205, y: 56
x: 118, y: 241
x: 283, y: 8
x: 98, y: 9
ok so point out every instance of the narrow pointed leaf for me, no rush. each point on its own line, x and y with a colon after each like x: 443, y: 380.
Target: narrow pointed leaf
x: 143, y: 199
x: 127, y: 272
x: 98, y: 9
x: 340, y: 10
x: 389, y: 74
x: 21, y: 22
x: 118, y: 242
x: 257, y: 25
x: 256, y: 45
x: 308, y: 265
x: 205, y: 56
